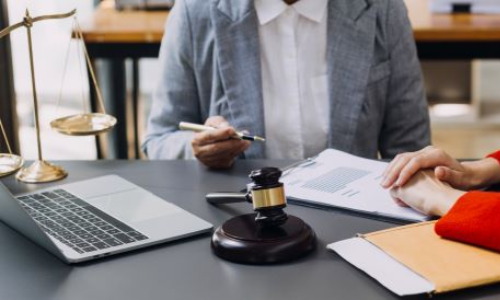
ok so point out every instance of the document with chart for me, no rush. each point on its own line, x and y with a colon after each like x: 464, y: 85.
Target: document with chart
x: 337, y: 179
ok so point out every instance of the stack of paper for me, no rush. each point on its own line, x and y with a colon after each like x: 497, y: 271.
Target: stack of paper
x: 340, y: 180
x: 413, y: 260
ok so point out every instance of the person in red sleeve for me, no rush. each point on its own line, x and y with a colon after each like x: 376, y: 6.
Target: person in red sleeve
x: 434, y: 183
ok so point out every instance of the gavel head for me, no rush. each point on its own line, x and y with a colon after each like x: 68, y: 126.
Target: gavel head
x: 268, y: 196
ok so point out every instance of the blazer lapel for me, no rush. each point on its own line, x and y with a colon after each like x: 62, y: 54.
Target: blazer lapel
x: 238, y: 53
x: 351, y: 38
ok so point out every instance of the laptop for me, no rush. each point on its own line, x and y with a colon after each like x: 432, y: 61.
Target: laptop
x: 94, y: 218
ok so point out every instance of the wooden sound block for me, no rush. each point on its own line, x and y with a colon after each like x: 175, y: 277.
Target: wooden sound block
x: 242, y: 240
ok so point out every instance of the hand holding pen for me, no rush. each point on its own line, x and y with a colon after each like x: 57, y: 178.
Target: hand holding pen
x: 218, y: 145
x: 239, y: 134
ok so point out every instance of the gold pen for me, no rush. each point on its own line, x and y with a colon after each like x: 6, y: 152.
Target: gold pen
x: 200, y: 128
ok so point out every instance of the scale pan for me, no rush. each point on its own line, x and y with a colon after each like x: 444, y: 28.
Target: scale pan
x: 10, y: 163
x: 84, y: 124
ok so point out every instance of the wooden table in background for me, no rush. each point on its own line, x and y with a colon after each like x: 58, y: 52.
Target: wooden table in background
x: 454, y: 36
x: 117, y: 36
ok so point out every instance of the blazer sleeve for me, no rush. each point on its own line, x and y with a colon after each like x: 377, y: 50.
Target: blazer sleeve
x: 406, y: 122
x: 474, y: 219
x: 176, y: 97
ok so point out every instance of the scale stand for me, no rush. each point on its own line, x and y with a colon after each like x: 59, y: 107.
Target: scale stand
x: 9, y: 163
x: 83, y: 124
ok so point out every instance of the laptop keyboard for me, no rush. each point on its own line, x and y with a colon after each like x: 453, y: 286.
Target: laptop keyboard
x: 76, y: 223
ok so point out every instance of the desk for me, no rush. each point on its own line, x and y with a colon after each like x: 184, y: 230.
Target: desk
x: 188, y: 270
x: 119, y: 35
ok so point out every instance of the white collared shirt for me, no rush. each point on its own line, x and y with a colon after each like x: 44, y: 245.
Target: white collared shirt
x: 293, y: 40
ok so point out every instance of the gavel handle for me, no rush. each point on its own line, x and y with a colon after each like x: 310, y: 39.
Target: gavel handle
x: 222, y: 198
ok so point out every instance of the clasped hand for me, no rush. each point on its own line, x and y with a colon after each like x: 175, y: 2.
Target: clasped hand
x: 431, y: 181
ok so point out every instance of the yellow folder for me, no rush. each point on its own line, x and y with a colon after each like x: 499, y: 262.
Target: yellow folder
x: 446, y: 264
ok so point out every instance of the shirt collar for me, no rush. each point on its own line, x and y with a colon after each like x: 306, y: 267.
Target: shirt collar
x: 268, y: 10
x: 314, y: 10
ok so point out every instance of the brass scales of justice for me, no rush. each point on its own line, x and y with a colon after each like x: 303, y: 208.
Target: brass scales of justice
x: 83, y: 124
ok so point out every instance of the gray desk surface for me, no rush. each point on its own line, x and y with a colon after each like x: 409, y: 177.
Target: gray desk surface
x: 188, y: 270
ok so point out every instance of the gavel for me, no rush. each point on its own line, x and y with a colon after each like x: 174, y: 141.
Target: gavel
x: 267, y: 236
x: 266, y: 193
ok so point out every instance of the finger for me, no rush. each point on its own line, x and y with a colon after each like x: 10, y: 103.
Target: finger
x: 242, y: 149
x: 392, y: 174
x: 391, y: 165
x: 212, y: 136
x: 244, y: 145
x: 389, y: 170
x: 220, y: 150
x: 217, y: 122
x: 431, y: 158
x: 399, y: 156
x: 396, y: 196
x: 415, y: 164
x: 223, y: 160
x: 394, y: 192
x: 202, y: 147
x: 393, y: 171
x: 225, y: 154
x: 400, y: 202
x: 216, y: 152
x: 452, y: 177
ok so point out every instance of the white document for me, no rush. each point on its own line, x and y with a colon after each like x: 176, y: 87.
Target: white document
x: 379, y: 265
x: 337, y: 179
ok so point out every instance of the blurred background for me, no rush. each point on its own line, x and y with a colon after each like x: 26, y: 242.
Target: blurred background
x: 463, y: 95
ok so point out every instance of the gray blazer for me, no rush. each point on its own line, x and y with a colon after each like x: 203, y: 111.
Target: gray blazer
x: 211, y: 66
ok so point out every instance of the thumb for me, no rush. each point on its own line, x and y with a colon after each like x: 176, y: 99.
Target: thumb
x: 452, y: 177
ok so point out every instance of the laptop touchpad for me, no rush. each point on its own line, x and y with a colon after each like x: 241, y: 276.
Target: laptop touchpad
x: 133, y: 205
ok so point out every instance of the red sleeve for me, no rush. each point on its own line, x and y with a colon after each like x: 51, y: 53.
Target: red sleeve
x: 474, y: 219
x: 495, y: 155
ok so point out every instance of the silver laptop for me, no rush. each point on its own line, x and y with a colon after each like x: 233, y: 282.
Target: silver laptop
x: 95, y: 218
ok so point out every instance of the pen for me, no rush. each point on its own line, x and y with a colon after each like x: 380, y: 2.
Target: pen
x: 199, y: 128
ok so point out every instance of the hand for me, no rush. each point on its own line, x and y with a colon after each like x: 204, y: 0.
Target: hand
x: 218, y: 148
x: 447, y: 169
x: 426, y: 194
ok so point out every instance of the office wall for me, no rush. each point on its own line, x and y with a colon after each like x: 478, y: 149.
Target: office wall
x: 50, y: 40
x: 448, y: 81
x: 465, y: 106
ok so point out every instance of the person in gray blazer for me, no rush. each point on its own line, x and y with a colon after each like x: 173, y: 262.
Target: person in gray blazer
x: 305, y: 74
